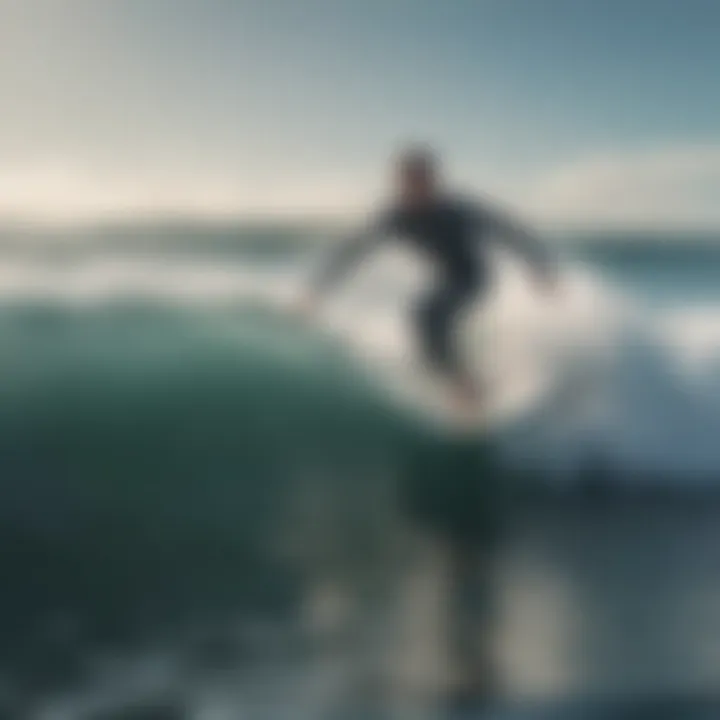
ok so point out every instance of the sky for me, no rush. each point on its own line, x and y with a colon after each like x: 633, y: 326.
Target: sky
x: 578, y: 111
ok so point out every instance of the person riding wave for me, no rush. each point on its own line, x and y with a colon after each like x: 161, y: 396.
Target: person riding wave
x: 454, y: 234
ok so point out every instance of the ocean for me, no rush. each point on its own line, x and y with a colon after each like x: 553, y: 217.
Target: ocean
x: 210, y: 503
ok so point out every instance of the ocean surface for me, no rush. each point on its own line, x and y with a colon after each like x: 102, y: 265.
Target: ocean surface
x: 209, y: 502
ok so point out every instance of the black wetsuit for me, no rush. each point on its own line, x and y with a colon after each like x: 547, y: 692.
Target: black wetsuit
x: 453, y: 234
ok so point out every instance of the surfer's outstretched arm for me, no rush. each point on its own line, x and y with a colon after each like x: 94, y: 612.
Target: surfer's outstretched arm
x: 514, y: 235
x: 347, y: 255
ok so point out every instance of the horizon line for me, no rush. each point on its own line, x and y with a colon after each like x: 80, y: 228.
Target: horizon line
x: 310, y: 218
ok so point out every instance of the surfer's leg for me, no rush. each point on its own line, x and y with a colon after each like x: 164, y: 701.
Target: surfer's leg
x: 436, y: 322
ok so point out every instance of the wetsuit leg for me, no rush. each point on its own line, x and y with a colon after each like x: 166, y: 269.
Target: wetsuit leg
x: 436, y: 319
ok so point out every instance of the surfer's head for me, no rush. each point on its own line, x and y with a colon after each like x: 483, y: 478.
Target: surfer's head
x: 417, y: 175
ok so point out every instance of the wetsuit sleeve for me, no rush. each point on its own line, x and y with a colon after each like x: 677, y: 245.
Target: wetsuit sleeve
x: 518, y: 238
x: 350, y: 252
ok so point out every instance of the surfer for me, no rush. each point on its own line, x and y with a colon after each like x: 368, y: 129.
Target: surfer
x: 454, y: 234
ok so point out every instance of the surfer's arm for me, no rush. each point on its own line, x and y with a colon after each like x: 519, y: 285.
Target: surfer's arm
x: 523, y: 242
x: 347, y: 255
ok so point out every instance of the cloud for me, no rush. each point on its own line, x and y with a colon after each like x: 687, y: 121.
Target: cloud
x: 669, y: 186
x: 61, y: 191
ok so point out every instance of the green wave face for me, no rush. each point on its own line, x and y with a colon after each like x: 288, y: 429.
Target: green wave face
x: 163, y: 463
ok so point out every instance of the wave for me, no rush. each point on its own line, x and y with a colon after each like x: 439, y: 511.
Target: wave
x: 176, y: 445
x: 603, y: 378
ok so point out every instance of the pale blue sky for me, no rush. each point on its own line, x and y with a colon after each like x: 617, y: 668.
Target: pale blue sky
x: 579, y: 109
